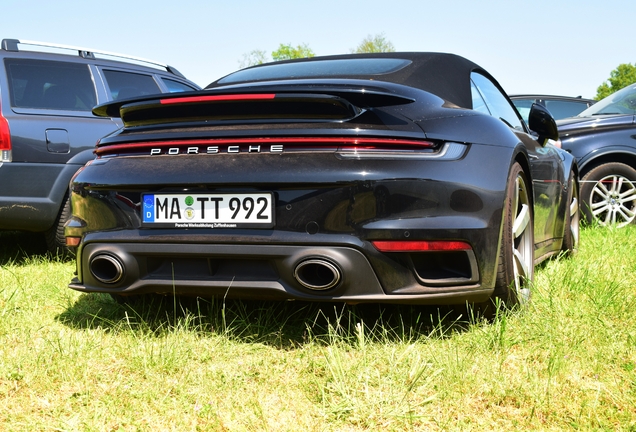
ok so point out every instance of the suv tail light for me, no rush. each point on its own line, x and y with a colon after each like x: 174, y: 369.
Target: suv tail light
x: 5, y: 139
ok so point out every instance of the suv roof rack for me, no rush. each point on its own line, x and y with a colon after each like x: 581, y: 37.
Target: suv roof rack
x: 12, y: 45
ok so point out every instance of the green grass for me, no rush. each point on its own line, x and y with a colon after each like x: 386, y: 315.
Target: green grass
x: 81, y: 362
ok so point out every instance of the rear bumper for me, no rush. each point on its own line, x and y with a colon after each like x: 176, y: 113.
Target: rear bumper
x: 270, y: 271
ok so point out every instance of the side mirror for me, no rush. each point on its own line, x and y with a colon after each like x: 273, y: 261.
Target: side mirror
x: 542, y: 123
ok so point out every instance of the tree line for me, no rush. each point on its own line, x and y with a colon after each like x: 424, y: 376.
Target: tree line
x: 622, y: 76
x: 370, y: 44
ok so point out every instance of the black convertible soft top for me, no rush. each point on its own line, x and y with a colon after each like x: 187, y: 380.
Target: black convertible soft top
x: 445, y: 75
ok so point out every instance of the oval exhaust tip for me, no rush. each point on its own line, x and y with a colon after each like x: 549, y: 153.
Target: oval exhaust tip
x: 106, y: 268
x: 317, y: 274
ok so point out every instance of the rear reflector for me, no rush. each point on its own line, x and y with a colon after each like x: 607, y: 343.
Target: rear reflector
x: 73, y: 241
x: 420, y: 246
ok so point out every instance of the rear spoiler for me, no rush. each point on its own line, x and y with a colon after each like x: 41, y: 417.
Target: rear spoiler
x: 272, y: 104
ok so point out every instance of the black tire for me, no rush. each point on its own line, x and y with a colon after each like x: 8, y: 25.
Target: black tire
x: 608, y: 195
x: 55, y: 240
x: 515, y: 271
x: 571, y: 229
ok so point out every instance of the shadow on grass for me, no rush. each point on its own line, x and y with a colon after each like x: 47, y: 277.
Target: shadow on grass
x: 20, y: 248
x: 282, y: 324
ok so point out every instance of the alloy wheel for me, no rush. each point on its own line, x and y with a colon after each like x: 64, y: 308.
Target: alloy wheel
x: 522, y: 241
x: 613, y: 201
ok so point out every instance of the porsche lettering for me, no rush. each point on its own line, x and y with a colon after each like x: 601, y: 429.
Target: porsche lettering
x: 253, y: 148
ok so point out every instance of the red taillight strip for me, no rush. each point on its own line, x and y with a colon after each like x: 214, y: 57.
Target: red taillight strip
x: 217, y: 98
x: 420, y: 246
x: 339, y: 141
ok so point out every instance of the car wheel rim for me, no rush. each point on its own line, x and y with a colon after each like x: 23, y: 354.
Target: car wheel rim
x: 613, y: 201
x: 522, y: 247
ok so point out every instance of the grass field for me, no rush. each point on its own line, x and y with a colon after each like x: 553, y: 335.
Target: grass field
x: 81, y: 362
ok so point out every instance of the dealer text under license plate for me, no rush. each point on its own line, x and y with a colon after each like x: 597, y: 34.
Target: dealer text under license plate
x: 232, y: 210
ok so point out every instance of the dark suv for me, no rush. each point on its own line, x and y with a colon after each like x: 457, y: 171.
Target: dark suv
x: 47, y: 129
x: 603, y: 140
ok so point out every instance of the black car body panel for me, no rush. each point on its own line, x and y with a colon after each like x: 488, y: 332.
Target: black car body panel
x: 589, y: 138
x: 352, y: 164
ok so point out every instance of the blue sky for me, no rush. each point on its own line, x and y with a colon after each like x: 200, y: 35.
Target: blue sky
x: 566, y: 47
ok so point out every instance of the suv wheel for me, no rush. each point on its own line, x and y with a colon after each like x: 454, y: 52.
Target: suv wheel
x: 55, y: 240
x: 608, y: 194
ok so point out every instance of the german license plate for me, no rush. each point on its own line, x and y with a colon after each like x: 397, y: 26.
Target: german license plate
x: 200, y: 210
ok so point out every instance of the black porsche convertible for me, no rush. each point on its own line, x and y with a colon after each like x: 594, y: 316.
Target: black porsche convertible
x: 392, y: 178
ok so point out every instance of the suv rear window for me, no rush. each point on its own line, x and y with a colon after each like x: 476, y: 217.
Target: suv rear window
x: 50, y: 85
x: 176, y: 86
x: 124, y: 85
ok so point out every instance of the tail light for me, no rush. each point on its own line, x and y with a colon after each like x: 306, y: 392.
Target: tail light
x: 5, y: 139
x: 346, y: 147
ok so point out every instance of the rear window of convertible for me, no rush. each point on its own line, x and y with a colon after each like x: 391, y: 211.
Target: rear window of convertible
x: 318, y: 68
